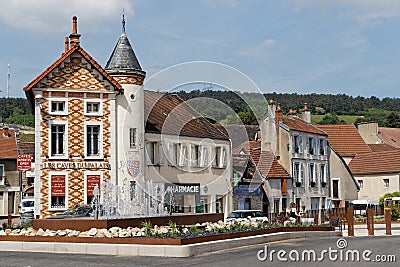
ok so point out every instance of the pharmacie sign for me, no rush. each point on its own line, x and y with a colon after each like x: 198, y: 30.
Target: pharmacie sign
x: 76, y: 165
x: 183, y: 189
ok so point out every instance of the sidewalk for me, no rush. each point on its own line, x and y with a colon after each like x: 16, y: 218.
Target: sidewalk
x: 379, y: 230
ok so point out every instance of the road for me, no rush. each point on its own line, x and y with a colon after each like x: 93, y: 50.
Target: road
x: 243, y: 257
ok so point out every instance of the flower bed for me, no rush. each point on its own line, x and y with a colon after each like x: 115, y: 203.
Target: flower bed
x: 147, y: 234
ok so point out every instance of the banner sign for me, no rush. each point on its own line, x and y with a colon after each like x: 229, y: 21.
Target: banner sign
x: 24, y: 162
x: 58, y: 185
x: 91, y: 182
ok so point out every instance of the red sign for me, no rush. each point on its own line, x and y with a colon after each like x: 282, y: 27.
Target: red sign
x: 91, y: 182
x: 24, y: 162
x: 58, y: 185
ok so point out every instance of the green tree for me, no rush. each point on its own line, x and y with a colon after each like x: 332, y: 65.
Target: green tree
x: 393, y: 120
x: 331, y: 119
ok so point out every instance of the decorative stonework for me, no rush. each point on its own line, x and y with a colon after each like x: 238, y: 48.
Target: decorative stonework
x: 136, y: 79
x: 75, y: 74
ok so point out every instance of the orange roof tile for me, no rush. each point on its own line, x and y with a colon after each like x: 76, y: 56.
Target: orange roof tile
x: 295, y: 123
x: 8, y: 144
x: 381, y: 147
x: 390, y: 136
x: 246, y: 146
x: 268, y: 165
x: 170, y: 114
x: 265, y: 161
x: 376, y: 162
x: 345, y: 139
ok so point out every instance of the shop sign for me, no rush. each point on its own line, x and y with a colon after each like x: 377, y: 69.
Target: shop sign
x: 247, y: 190
x: 58, y: 185
x: 24, y: 162
x: 91, y: 182
x: 183, y: 189
x: 76, y: 165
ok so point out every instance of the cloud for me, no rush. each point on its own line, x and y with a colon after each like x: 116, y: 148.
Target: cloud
x: 262, y: 50
x: 49, y: 16
x: 365, y: 12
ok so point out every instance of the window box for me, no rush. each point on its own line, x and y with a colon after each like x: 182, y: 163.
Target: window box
x: 313, y: 184
x: 324, y: 184
x: 298, y: 184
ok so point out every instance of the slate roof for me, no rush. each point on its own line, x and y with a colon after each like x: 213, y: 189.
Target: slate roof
x: 376, y: 162
x: 390, y: 136
x: 123, y: 57
x: 265, y: 161
x: 170, y: 114
x: 239, y: 133
x: 8, y: 144
x: 295, y: 123
x: 345, y: 139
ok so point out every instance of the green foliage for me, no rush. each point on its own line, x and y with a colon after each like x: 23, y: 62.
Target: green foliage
x: 331, y: 119
x: 395, y: 212
x: 16, y: 111
x: 393, y: 194
x: 148, y: 227
x: 393, y: 120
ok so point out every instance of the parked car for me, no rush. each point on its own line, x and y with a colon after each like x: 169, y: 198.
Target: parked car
x: 75, y: 212
x: 247, y: 215
x: 27, y: 205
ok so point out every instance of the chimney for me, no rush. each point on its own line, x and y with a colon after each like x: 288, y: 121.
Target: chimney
x: 74, y: 36
x: 292, y: 113
x: 306, y: 113
x: 6, y: 132
x: 66, y: 44
x: 278, y: 113
x: 271, y: 108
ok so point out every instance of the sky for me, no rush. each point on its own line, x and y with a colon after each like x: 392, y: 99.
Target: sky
x: 286, y: 46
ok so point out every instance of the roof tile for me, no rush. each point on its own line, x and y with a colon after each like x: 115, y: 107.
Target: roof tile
x: 376, y: 162
x: 345, y: 139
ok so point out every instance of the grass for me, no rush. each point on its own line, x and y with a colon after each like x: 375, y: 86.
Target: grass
x: 27, y: 137
x: 349, y: 119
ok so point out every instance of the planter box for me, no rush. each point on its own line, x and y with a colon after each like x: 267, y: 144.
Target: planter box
x: 162, y: 241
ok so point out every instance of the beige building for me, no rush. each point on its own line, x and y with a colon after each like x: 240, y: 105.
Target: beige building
x: 377, y: 173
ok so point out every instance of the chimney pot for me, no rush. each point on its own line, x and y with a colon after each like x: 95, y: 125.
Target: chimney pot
x: 74, y: 36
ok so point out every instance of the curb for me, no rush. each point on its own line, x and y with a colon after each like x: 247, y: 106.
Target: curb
x: 157, y: 250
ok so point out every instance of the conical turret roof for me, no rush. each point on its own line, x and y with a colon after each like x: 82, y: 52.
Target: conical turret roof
x: 123, y: 57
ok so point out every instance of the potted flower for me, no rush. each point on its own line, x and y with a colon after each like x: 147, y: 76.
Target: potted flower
x: 323, y: 184
x: 298, y: 184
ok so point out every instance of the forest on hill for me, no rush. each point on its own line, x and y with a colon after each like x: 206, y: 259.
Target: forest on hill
x: 230, y: 107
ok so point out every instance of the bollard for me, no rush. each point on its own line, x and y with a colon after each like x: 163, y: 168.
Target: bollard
x: 350, y: 221
x: 316, y: 219
x: 370, y: 221
x: 388, y: 221
x: 9, y: 219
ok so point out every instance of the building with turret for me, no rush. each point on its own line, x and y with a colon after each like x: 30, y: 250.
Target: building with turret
x: 95, y: 124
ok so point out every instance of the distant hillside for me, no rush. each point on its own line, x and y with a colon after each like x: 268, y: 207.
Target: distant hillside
x: 333, y: 106
x: 230, y: 107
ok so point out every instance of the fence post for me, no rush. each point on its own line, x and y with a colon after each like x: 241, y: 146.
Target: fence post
x: 350, y: 221
x: 370, y: 221
x: 388, y: 221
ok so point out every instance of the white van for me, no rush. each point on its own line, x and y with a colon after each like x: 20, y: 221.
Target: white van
x: 27, y: 205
